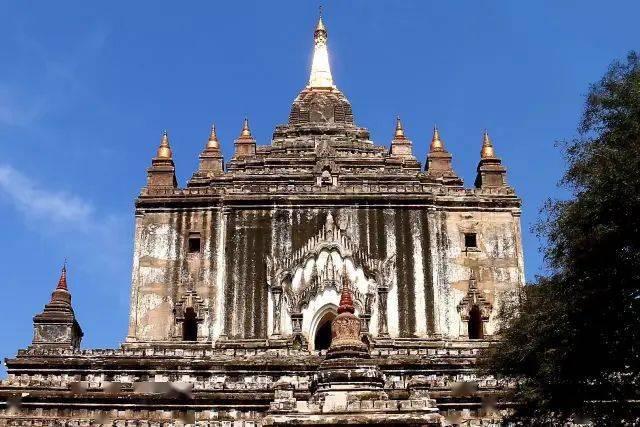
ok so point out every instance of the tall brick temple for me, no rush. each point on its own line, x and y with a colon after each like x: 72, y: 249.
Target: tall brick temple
x: 320, y: 279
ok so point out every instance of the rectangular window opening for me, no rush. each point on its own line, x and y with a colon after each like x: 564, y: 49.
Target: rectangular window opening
x: 470, y: 240
x: 194, y: 243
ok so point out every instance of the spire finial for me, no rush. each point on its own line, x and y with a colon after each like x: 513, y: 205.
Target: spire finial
x: 487, y: 150
x: 320, y: 70
x: 213, y: 142
x: 436, y: 143
x: 346, y: 302
x: 62, y: 282
x: 399, y: 129
x: 246, y: 132
x: 320, y: 26
x: 164, y: 151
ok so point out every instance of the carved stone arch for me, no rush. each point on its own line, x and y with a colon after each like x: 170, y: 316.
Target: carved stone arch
x: 326, y: 171
x: 313, y: 270
x: 189, y: 313
x: 317, y: 321
x: 324, y: 276
x: 326, y: 164
x: 474, y: 310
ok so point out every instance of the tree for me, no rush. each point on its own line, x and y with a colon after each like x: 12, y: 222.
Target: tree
x: 573, y: 340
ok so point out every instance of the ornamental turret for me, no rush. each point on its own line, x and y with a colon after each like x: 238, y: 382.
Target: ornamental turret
x: 401, y: 146
x: 57, y: 326
x: 245, y: 145
x: 491, y: 173
x: 211, y: 160
x: 162, y: 173
x: 438, y: 164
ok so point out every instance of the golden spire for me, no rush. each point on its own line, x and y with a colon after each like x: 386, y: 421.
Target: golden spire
x: 487, y: 147
x: 436, y: 143
x: 213, y: 142
x: 320, y: 70
x: 164, y: 151
x: 320, y: 26
x: 399, y: 129
x: 246, y: 132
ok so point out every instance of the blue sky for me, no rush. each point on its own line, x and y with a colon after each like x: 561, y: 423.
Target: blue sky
x: 86, y: 90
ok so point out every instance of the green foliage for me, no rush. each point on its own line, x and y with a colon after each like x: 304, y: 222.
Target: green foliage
x: 574, y: 339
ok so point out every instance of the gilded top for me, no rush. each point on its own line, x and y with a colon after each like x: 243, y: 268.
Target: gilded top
x: 213, y: 142
x: 164, y: 151
x: 436, y: 143
x: 320, y: 70
x: 487, y: 147
x: 399, y: 129
x: 246, y: 132
x: 320, y: 26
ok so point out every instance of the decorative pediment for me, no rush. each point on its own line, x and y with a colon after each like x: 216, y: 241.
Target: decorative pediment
x: 474, y: 297
x: 299, y: 298
x: 330, y: 237
x: 190, y: 299
x: 324, y: 150
x: 320, y: 264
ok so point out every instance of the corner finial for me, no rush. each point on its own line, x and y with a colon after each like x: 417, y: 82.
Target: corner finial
x: 246, y: 132
x: 213, y: 142
x: 399, y: 129
x: 487, y: 150
x: 164, y: 151
x: 62, y: 282
x: 436, y: 143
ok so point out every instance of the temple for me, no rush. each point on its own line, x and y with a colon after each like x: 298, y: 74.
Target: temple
x: 319, y: 279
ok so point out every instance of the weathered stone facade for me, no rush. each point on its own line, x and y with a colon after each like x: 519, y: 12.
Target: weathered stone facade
x: 236, y: 280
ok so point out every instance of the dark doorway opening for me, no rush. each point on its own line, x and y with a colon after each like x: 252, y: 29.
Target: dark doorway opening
x: 475, y: 323
x: 190, y: 325
x: 322, y: 340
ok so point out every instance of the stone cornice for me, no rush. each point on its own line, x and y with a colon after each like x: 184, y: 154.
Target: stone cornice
x: 418, y: 195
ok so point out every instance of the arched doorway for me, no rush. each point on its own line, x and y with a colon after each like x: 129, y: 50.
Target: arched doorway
x: 475, y: 323
x: 322, y: 338
x: 190, y: 325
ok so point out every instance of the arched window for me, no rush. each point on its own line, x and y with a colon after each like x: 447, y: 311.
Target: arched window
x: 475, y: 323
x: 190, y: 325
x: 322, y: 340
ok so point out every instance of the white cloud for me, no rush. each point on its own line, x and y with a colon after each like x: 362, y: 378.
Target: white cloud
x: 32, y: 199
